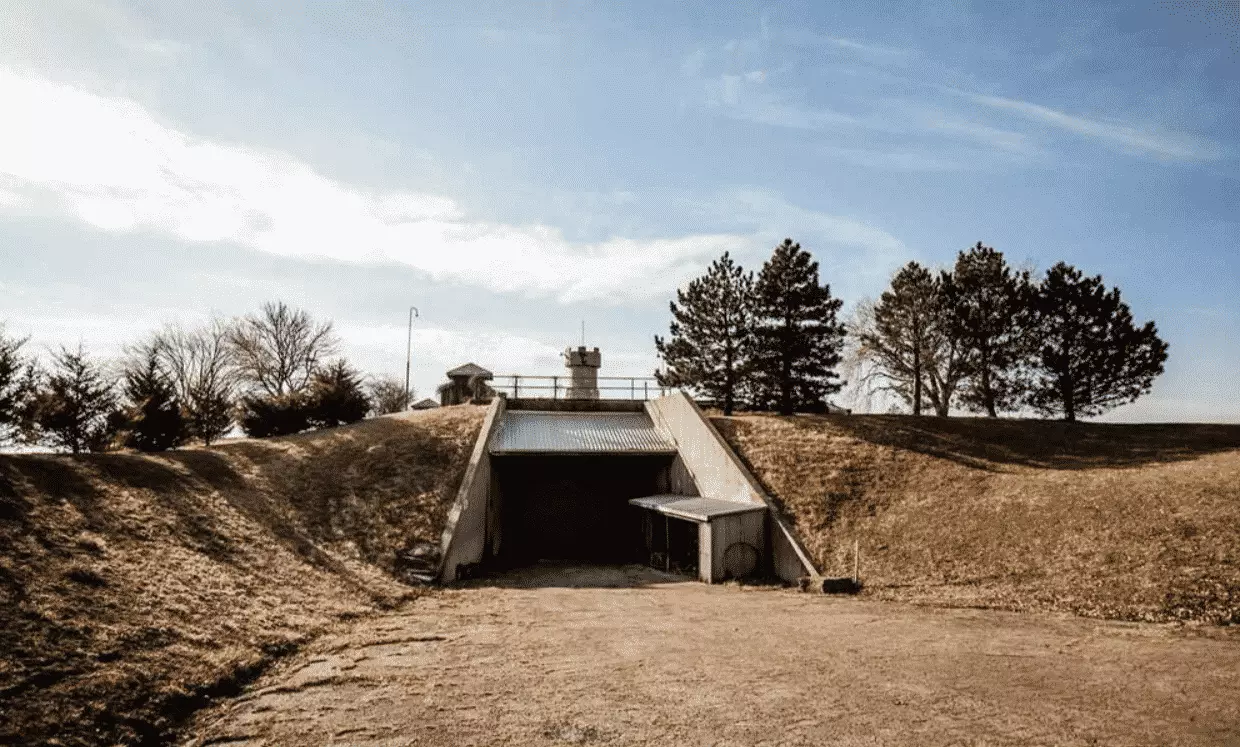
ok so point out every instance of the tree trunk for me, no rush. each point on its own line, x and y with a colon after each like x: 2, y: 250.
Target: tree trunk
x: 916, y: 382
x: 785, y: 383
x: 1069, y: 400
x: 988, y: 392
x: 785, y: 388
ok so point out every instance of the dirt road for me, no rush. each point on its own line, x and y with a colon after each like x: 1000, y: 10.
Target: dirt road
x: 562, y: 655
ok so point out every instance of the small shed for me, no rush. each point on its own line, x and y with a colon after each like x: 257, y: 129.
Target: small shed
x: 467, y: 383
x: 723, y: 539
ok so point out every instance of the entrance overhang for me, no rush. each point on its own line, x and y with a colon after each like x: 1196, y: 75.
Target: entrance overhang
x: 581, y: 433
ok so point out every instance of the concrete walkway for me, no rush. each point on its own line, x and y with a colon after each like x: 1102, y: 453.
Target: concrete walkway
x: 612, y: 656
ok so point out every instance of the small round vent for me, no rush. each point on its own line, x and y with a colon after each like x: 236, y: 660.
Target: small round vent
x: 740, y: 560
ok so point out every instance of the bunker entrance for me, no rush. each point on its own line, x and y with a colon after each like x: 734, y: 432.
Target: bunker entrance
x: 575, y: 507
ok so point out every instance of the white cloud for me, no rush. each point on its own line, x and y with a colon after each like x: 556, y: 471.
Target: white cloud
x: 1171, y: 146
x: 111, y: 163
x: 855, y: 257
x: 692, y: 65
x: 745, y: 97
x: 876, y: 52
x: 905, y: 160
x: 437, y: 349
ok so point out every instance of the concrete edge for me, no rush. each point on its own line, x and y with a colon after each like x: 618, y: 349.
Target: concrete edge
x: 446, y: 571
x: 777, y: 518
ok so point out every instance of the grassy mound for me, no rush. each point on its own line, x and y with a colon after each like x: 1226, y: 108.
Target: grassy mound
x: 1135, y: 522
x: 134, y: 588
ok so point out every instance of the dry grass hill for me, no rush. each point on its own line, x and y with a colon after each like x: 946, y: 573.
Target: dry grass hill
x: 134, y: 588
x: 1134, y: 522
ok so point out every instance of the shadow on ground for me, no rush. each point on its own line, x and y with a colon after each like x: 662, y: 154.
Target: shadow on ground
x: 569, y: 575
x: 985, y: 443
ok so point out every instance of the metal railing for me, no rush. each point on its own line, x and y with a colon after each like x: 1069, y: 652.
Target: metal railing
x: 557, y: 387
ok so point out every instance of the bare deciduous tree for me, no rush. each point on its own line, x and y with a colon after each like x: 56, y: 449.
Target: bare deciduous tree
x: 199, y: 365
x: 906, y: 344
x: 387, y: 395
x: 278, y: 350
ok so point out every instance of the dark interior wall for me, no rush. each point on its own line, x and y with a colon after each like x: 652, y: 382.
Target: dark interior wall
x: 567, y: 507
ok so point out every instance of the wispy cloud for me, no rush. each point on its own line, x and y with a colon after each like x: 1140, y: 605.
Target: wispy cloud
x: 875, y: 52
x: 854, y: 254
x: 111, y: 163
x: 894, y: 160
x: 746, y: 97
x: 1170, y: 146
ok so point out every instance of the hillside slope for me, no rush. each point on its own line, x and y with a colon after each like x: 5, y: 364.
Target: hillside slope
x: 134, y: 587
x: 1137, y: 522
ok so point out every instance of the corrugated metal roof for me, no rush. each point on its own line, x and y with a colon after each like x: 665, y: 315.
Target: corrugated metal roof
x: 523, y: 432
x: 694, y: 508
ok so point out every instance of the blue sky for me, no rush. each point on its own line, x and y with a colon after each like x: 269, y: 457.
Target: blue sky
x: 516, y: 168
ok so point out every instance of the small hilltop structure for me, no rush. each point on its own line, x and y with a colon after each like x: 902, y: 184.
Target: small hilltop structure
x: 583, y: 366
x: 466, y: 383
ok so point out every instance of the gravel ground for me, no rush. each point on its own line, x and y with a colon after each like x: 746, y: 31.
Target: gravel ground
x: 611, y: 656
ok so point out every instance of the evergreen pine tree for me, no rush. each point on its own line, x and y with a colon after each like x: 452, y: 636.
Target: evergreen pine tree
x: 154, y: 419
x: 797, y: 337
x: 263, y: 415
x: 1090, y: 356
x: 72, y: 410
x: 989, y: 303
x: 336, y: 396
x: 710, y: 334
x: 18, y: 379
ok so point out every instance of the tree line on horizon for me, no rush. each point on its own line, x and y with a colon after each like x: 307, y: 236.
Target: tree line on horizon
x: 273, y: 372
x: 980, y: 335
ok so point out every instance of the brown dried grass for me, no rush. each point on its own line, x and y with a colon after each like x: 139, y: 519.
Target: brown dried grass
x: 1133, y: 522
x: 133, y: 588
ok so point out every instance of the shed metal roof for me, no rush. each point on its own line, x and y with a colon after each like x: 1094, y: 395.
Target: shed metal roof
x: 694, y: 508
x: 527, y: 432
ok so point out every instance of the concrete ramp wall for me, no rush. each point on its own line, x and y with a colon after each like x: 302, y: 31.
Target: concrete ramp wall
x: 465, y: 535
x: 719, y: 473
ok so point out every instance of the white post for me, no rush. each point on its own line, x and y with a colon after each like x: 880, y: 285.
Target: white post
x: 413, y: 311
x: 856, y: 560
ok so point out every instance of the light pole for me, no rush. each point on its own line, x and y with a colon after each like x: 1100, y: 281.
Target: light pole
x: 413, y: 311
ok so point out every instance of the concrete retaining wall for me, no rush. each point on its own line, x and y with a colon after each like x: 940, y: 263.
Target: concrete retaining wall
x: 719, y: 473
x: 465, y: 535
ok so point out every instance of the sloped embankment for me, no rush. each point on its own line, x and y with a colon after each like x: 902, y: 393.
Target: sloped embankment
x: 133, y: 587
x: 1135, y: 522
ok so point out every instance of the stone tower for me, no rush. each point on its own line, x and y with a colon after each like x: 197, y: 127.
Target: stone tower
x: 583, y: 365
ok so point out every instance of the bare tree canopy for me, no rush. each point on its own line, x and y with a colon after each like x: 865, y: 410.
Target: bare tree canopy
x: 198, y: 363
x: 387, y: 395
x: 907, y: 341
x: 278, y: 350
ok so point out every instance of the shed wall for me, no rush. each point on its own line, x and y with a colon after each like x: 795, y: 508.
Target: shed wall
x: 725, y: 531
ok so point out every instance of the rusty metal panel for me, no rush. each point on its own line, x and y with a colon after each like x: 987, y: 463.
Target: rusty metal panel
x: 524, y: 432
